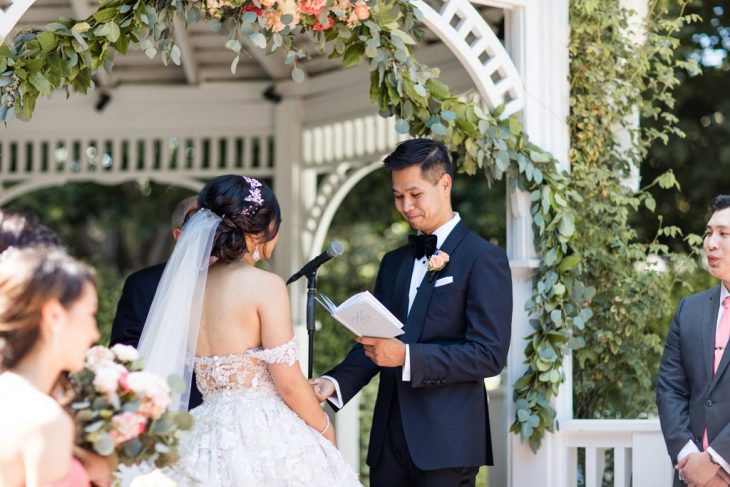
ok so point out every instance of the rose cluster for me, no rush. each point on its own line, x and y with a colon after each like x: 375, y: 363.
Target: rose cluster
x: 122, y: 410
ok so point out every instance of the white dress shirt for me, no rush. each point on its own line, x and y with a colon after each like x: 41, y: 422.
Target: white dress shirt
x: 420, y: 266
x: 690, y: 447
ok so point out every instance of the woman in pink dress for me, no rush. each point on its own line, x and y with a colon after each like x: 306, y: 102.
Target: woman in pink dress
x: 47, y: 322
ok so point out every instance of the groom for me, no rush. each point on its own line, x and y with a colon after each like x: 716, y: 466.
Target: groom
x: 693, y: 387
x: 453, y: 291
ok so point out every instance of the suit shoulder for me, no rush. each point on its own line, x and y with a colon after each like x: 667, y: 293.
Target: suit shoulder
x: 479, y: 245
x: 701, y: 298
x: 397, y: 253
x: 152, y: 273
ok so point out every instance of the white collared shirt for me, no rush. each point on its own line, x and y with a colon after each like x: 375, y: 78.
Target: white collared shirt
x: 690, y: 447
x: 419, y: 272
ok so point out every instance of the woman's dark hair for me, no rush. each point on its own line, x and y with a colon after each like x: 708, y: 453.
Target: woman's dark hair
x: 23, y: 230
x: 246, y: 206
x: 29, y: 278
x: 430, y: 155
x: 720, y: 202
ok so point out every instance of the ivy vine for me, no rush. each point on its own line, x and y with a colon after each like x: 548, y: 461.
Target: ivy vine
x: 66, y: 53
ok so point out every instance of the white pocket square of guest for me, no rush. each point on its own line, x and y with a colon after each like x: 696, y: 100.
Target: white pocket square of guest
x: 444, y: 281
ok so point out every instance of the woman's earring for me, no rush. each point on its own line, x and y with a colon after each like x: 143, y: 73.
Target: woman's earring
x: 256, y: 255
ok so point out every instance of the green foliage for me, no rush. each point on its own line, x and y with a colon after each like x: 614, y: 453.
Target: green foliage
x: 703, y: 110
x: 611, y: 74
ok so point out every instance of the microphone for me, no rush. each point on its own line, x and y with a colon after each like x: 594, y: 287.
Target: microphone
x: 335, y: 249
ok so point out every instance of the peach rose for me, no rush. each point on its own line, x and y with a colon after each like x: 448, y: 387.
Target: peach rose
x: 438, y: 261
x: 362, y: 11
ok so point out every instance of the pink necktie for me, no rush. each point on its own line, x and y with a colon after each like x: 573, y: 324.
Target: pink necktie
x: 721, y: 339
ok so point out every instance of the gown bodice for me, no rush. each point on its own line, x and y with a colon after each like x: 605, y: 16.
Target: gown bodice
x: 225, y: 375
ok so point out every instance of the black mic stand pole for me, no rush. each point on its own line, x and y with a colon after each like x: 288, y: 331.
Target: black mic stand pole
x: 311, y: 292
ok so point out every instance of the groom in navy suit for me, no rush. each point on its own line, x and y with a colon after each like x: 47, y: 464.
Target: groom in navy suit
x: 453, y: 291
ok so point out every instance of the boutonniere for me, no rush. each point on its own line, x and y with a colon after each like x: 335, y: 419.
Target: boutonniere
x: 437, y: 262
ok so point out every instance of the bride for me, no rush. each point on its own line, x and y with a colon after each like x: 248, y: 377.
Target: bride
x: 217, y: 314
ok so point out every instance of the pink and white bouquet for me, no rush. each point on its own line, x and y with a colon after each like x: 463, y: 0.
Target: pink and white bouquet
x: 122, y: 411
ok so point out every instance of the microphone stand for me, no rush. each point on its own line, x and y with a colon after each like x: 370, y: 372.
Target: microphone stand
x: 311, y: 292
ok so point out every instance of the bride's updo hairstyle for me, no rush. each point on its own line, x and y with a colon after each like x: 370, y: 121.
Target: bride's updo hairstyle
x: 246, y: 206
x: 29, y: 278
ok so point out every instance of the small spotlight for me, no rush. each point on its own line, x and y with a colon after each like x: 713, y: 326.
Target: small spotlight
x: 271, y: 95
x: 103, y: 101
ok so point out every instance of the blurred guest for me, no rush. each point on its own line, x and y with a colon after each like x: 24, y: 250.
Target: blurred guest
x: 48, y: 309
x: 24, y: 230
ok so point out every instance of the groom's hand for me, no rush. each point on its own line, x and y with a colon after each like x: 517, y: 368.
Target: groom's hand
x: 385, y: 352
x: 697, y: 469
x: 323, y: 388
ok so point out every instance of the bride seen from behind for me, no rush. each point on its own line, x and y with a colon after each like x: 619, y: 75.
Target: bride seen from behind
x: 260, y: 422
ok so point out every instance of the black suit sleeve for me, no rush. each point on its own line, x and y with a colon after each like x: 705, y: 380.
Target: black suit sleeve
x: 356, y: 370
x: 132, y: 310
x: 488, y: 310
x: 673, y: 392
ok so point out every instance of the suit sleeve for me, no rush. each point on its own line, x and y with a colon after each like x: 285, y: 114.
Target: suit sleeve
x: 131, y: 314
x: 488, y: 311
x: 673, y: 392
x: 356, y: 370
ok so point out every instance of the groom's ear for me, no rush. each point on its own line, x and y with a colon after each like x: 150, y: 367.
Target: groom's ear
x: 445, y: 182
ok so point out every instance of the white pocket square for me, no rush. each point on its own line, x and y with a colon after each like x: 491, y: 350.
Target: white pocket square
x: 444, y: 281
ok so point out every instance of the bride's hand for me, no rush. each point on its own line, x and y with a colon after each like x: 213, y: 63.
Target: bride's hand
x: 323, y: 388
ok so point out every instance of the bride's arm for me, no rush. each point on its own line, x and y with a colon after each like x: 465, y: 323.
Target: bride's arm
x: 292, y: 386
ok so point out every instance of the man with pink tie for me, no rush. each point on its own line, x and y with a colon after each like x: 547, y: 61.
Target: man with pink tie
x: 693, y: 387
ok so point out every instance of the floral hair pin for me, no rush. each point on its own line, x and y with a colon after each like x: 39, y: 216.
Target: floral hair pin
x: 253, y: 196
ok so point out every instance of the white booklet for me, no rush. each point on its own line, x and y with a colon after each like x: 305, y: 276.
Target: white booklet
x: 364, y: 315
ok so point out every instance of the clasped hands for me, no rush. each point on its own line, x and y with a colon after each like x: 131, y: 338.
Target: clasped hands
x: 698, y: 470
x: 385, y: 352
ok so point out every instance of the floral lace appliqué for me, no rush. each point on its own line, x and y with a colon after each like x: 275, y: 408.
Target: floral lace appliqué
x: 248, y: 370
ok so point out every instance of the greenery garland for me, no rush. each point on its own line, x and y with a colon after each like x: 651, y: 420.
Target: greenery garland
x: 65, y: 54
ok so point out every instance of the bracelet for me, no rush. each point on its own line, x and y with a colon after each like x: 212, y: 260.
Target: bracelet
x: 326, y: 424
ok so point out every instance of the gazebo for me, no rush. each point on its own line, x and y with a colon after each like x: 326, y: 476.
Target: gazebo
x: 314, y: 140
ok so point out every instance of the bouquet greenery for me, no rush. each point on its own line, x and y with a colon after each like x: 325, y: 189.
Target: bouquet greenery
x: 122, y: 412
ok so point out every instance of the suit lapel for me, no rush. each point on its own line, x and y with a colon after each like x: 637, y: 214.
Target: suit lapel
x: 708, y: 336
x: 711, y: 312
x: 414, y: 322
x: 402, y: 286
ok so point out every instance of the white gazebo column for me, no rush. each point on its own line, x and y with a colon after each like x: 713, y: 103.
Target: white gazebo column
x: 537, y: 38
x: 295, y: 193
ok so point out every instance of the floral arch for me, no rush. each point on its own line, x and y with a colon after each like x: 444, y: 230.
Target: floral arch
x: 486, y: 133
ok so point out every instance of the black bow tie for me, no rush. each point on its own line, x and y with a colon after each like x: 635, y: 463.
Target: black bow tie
x: 422, y: 245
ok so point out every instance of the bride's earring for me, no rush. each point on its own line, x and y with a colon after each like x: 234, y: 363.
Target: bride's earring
x: 256, y: 255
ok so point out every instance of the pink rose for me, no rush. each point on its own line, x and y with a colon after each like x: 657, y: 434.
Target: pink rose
x: 125, y: 353
x: 438, y: 261
x: 312, y: 7
x: 362, y: 11
x: 127, y: 425
x: 97, y: 356
x: 106, y: 377
x: 318, y: 26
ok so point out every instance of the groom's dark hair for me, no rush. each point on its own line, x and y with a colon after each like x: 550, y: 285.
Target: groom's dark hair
x: 430, y: 155
x: 721, y: 202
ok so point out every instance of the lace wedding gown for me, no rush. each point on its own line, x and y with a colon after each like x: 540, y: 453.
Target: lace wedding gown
x: 245, y: 435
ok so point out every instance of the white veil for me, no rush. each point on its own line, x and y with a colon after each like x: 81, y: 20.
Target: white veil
x: 170, y: 334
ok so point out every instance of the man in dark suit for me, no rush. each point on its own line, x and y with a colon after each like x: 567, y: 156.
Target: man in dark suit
x: 139, y: 291
x: 693, y: 387
x: 431, y: 419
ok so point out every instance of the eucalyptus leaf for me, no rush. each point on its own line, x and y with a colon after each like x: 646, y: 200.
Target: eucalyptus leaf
x: 298, y: 74
x: 104, y: 445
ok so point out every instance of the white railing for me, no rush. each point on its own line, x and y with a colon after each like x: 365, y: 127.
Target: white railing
x: 349, y: 140
x: 10, y: 13
x: 622, y: 453
x: 184, y: 159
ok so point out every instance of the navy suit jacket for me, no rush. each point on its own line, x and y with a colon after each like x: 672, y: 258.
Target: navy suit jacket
x: 458, y: 334
x: 132, y: 310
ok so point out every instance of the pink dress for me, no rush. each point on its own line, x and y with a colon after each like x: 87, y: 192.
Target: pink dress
x: 77, y: 476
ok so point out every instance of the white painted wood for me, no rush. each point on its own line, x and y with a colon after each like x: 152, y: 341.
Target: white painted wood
x: 511, y: 92
x: 11, y: 15
x: 621, y: 467
x: 187, y: 51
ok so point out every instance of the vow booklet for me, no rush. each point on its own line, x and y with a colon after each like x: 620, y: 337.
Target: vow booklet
x: 364, y: 315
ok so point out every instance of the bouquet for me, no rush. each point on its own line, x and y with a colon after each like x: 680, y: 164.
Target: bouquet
x: 121, y: 411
